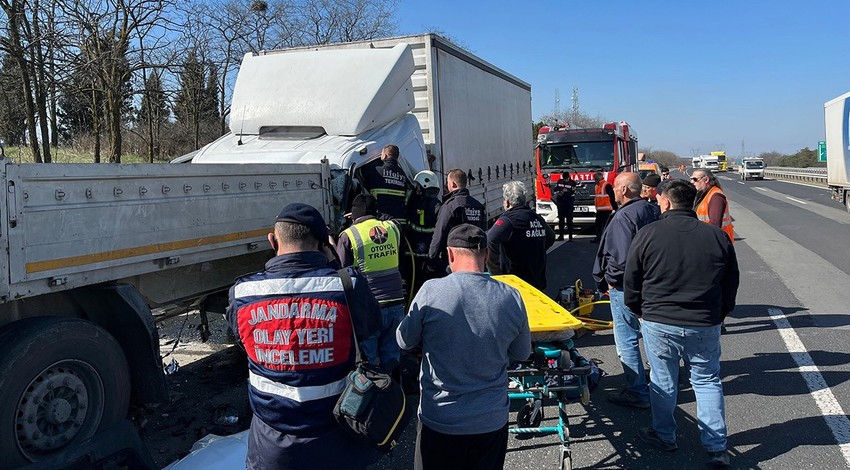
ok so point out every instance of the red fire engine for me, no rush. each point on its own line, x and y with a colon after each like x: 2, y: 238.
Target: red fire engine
x: 611, y: 149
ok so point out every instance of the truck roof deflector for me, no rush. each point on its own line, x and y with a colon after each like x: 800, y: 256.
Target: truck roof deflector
x: 344, y: 91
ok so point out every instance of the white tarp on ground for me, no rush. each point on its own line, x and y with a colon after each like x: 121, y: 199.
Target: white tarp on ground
x: 215, y: 453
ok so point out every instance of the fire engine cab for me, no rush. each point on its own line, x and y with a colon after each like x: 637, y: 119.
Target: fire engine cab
x: 581, y: 152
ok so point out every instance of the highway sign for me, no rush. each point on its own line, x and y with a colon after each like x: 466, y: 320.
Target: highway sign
x: 822, y: 151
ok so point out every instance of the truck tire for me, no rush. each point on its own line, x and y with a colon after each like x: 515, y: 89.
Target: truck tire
x: 847, y: 200
x: 61, y: 380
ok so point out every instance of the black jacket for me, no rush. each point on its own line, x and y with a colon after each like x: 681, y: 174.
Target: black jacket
x: 458, y: 208
x: 389, y: 184
x: 518, y: 242
x: 681, y: 271
x: 616, y: 239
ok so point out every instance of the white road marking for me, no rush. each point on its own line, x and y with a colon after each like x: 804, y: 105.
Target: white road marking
x: 831, y: 410
x: 796, y: 200
x: 832, y: 213
x: 740, y: 182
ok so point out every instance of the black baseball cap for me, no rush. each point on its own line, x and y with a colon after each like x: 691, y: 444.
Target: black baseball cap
x: 467, y: 236
x: 363, y: 204
x: 652, y: 180
x: 307, y: 215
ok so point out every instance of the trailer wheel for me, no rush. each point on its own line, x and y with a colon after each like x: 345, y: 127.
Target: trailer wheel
x: 61, y: 380
x: 847, y: 200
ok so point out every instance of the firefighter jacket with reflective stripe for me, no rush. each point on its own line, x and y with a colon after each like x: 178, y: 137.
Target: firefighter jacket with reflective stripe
x: 422, y: 210
x: 373, y: 246
x: 726, y: 222
x: 388, y: 183
x: 602, y: 200
x: 293, y: 321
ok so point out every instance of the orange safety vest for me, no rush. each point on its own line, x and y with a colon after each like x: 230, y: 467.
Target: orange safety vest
x: 602, y: 201
x: 702, y: 212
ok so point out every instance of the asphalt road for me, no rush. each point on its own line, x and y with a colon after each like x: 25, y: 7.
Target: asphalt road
x: 784, y: 365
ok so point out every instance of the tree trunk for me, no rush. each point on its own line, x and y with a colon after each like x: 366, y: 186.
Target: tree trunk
x: 95, y: 123
x: 12, y: 14
x: 40, y: 86
x: 113, y: 123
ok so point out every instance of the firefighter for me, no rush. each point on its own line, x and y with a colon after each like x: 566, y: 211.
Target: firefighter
x: 422, y: 207
x: 605, y: 203
x: 519, y: 239
x: 386, y: 181
x: 458, y: 208
x: 564, y: 196
x: 711, y: 205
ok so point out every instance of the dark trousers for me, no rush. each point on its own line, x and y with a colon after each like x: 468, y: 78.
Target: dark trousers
x: 565, y: 213
x: 438, y: 451
x: 601, y: 221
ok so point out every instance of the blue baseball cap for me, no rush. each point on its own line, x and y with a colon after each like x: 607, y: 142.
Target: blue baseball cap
x: 307, y: 215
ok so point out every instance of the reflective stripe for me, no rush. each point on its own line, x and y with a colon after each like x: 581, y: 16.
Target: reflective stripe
x: 388, y: 192
x: 422, y: 229
x: 359, y: 247
x: 602, y: 201
x: 299, y: 394
x: 725, y: 222
x: 287, y: 286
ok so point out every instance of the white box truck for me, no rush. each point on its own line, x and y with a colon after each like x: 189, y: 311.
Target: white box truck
x: 87, y: 250
x: 836, y: 117
x: 444, y: 107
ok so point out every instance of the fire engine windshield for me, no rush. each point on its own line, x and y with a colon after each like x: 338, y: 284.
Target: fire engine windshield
x: 578, y: 155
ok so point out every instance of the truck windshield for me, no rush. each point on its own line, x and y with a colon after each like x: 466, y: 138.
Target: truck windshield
x: 752, y: 165
x: 583, y: 154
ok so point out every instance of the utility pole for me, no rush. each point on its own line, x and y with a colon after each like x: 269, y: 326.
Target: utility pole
x: 743, y: 154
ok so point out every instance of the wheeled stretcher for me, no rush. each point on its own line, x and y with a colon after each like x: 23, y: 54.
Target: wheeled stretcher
x: 555, y: 372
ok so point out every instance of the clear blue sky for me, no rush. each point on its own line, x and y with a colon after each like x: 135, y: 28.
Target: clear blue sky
x: 686, y: 75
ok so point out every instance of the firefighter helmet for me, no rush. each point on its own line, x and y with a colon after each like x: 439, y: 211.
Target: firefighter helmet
x: 428, y: 179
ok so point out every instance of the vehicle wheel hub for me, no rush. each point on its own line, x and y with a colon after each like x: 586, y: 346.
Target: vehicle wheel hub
x: 52, y: 410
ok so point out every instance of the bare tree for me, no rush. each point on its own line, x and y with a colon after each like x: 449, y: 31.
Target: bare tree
x: 112, y: 26
x: 327, y: 21
x: 25, y: 41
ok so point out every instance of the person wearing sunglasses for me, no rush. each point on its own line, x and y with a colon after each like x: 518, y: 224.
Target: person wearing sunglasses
x: 665, y: 173
x: 711, y: 204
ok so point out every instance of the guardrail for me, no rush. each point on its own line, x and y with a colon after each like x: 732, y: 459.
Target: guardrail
x: 809, y: 175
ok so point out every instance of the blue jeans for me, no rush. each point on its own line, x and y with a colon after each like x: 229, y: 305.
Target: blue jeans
x: 700, y: 347
x: 626, y: 338
x: 382, y: 348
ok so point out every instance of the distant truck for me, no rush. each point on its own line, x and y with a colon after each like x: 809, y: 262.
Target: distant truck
x: 88, y: 250
x: 836, y: 117
x: 721, y: 160
x: 696, y: 162
x: 611, y: 149
x: 709, y: 162
x: 751, y: 168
